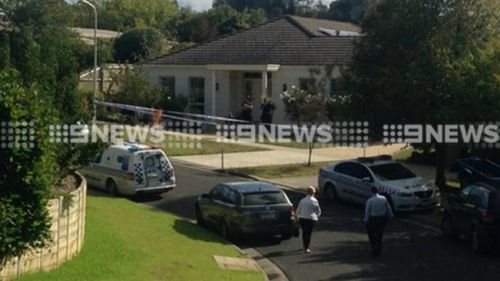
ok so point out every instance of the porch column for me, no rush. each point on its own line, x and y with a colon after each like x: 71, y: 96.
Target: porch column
x: 214, y: 92
x: 264, y: 83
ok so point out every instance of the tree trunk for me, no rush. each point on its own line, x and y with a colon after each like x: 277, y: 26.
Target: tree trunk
x: 441, y: 160
x: 310, y: 154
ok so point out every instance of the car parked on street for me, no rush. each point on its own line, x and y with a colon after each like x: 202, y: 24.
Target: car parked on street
x: 352, y: 180
x: 474, y: 212
x: 474, y: 169
x: 240, y: 208
x: 129, y: 169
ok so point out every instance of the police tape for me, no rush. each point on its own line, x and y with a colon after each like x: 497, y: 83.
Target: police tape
x: 174, y: 115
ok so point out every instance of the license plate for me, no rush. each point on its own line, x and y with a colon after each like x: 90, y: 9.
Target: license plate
x: 268, y: 216
x: 152, y: 175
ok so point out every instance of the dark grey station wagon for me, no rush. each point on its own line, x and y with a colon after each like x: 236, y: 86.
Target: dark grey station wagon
x: 247, y: 208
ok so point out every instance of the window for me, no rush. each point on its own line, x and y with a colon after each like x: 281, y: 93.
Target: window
x: 167, y: 83
x: 333, y: 87
x: 353, y: 170
x: 228, y: 196
x: 197, y: 94
x: 393, y: 171
x: 216, y: 192
x: 343, y: 168
x: 97, y: 158
x: 480, y: 198
x: 306, y: 83
x: 466, y: 191
x: 264, y: 198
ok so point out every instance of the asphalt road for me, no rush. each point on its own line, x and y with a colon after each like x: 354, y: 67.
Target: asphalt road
x: 340, y: 249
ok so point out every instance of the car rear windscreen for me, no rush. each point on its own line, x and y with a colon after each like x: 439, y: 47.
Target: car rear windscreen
x: 392, y: 171
x: 264, y: 198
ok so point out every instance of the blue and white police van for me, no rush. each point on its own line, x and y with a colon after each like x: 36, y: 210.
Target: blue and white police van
x: 130, y: 168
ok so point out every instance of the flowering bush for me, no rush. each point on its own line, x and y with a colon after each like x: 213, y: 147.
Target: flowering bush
x: 306, y: 106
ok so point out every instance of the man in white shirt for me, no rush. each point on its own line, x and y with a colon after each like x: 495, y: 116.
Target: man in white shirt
x: 308, y: 212
x: 377, y: 212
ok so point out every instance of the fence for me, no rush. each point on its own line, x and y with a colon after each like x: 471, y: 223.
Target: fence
x: 67, y: 233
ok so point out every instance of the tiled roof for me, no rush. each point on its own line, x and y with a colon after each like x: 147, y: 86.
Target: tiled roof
x: 287, y: 40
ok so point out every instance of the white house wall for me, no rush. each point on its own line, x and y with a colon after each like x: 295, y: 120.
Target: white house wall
x: 225, y: 103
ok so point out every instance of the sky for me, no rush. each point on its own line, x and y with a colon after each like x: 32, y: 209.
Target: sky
x: 201, y: 5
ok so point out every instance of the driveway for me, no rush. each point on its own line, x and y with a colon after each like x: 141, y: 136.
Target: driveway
x: 340, y: 247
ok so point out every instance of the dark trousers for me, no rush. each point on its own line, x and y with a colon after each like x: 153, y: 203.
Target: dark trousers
x: 307, y: 229
x: 375, y: 229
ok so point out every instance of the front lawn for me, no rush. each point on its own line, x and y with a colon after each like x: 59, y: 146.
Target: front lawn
x: 281, y: 171
x: 201, y: 147
x: 126, y: 241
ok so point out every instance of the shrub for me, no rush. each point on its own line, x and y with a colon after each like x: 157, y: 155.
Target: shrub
x: 27, y: 172
x: 139, y: 44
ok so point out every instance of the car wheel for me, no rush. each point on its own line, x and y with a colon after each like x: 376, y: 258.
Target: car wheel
x: 476, y: 243
x: 111, y: 187
x: 199, y: 217
x: 224, y: 230
x: 286, y: 236
x: 330, y: 193
x: 447, y: 228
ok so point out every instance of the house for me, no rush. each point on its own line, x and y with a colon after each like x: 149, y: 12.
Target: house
x: 106, y: 75
x: 87, y: 34
x: 266, y: 60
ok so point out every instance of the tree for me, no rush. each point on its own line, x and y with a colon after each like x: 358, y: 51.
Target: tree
x: 309, y: 106
x: 38, y: 85
x: 272, y: 8
x: 427, y: 62
x: 220, y: 20
x: 27, y: 172
x: 134, y: 88
x: 139, y: 44
x: 349, y: 10
x: 123, y: 15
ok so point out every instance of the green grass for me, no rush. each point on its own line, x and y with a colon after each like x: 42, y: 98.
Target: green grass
x: 204, y: 146
x: 294, y: 144
x: 127, y: 241
x: 281, y: 171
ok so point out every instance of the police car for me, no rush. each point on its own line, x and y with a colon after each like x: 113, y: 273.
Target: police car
x: 352, y: 180
x: 131, y: 168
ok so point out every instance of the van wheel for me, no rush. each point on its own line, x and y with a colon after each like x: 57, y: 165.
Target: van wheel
x: 111, y: 187
x: 447, y: 227
x: 477, y: 245
x: 331, y: 193
x: 199, y: 217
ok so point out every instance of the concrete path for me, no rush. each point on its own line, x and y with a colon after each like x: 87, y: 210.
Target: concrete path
x: 279, y: 155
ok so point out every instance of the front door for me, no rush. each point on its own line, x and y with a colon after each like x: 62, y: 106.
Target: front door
x: 252, y: 91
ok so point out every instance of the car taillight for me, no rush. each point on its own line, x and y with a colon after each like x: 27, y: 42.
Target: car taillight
x: 487, y: 217
x: 129, y: 176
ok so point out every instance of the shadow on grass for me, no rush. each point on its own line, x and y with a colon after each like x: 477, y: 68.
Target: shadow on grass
x: 196, y: 232
x: 139, y: 198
